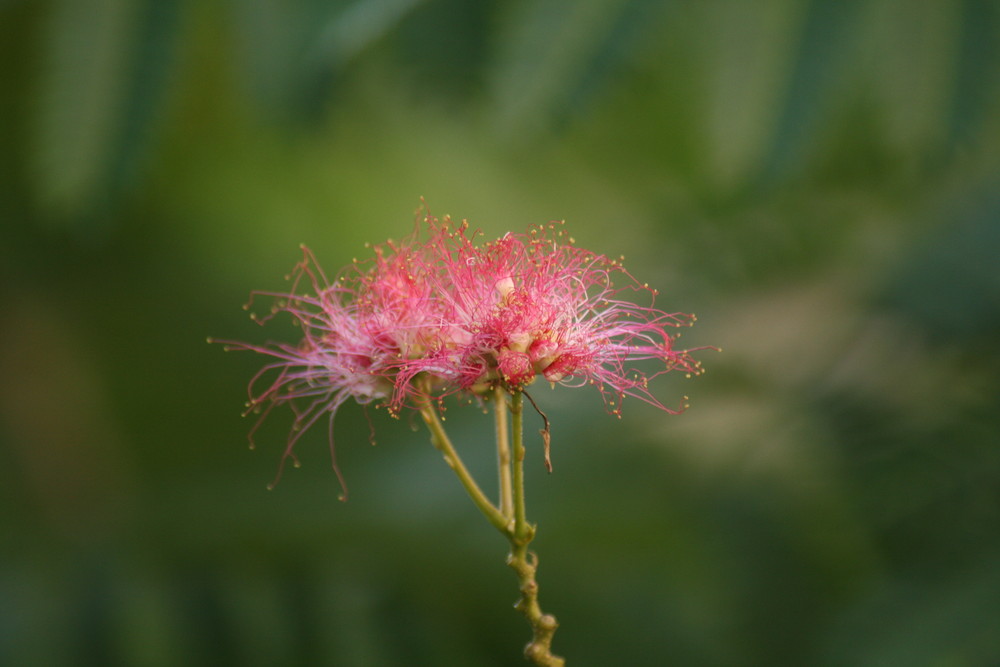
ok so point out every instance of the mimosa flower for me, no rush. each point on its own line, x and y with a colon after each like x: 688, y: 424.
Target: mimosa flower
x: 535, y: 304
x: 337, y: 358
x: 447, y: 314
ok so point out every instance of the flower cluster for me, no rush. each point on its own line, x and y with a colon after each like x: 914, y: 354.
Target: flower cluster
x: 443, y: 312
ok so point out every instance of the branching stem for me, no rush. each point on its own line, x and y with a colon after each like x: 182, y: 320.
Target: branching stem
x: 441, y: 441
x: 510, y: 518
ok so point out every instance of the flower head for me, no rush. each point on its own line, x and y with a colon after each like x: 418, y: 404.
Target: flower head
x: 441, y: 313
x: 535, y: 305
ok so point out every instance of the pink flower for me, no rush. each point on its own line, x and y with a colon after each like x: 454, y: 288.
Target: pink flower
x: 427, y: 318
x: 338, y: 357
x: 535, y: 304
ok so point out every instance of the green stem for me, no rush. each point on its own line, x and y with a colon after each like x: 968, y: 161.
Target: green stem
x: 522, y: 531
x: 510, y: 518
x: 503, y: 453
x: 539, y: 650
x: 441, y: 441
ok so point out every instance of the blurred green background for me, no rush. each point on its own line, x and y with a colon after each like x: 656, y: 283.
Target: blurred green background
x: 818, y: 179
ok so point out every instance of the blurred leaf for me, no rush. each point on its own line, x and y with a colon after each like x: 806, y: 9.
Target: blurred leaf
x: 291, y: 51
x: 750, y: 47
x: 359, y: 26
x: 273, y: 39
x: 827, y: 49
x: 912, y: 49
x: 556, y: 57
x: 257, y: 607
x: 919, y: 622
x: 452, y: 69
x: 145, y: 619
x: 36, y: 615
x: 104, y: 78
x: 950, y: 286
x: 976, y: 85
